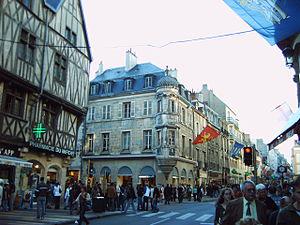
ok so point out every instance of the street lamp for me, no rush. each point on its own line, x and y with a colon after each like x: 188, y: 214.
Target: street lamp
x: 288, y: 53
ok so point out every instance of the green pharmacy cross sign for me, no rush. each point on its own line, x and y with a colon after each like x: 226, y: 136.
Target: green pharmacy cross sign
x: 39, y: 130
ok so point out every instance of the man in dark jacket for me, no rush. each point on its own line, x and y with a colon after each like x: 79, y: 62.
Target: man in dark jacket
x: 291, y: 214
x: 246, y: 207
x: 284, y: 202
x: 41, y: 192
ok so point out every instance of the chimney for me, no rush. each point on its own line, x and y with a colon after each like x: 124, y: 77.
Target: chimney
x: 100, y: 68
x: 204, y: 86
x: 131, y: 60
x: 173, y: 73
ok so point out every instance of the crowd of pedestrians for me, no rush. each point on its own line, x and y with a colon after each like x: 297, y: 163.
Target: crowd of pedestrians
x: 261, y: 204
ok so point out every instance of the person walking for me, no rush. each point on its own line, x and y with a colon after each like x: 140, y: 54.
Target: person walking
x: 162, y: 193
x: 221, y: 204
x: 5, y: 197
x: 41, y: 193
x: 82, y: 201
x: 156, y: 198
x: 262, y: 195
x: 57, y: 194
x: 291, y: 214
x: 140, y: 193
x: 180, y: 193
x: 195, y: 190
x: 130, y: 196
x: 147, y: 191
x: 247, y: 206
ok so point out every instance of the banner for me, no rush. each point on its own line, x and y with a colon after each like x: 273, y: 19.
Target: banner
x: 206, y: 135
x: 275, y: 20
x: 236, y: 149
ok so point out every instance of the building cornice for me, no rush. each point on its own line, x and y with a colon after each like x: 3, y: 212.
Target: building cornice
x: 117, y: 157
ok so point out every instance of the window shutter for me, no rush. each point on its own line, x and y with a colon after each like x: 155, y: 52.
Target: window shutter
x: 132, y: 109
x: 150, y: 107
x: 120, y: 110
x: 102, y: 112
x: 145, y: 108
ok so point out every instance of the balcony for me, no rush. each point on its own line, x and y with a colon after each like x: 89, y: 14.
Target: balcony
x: 232, y: 120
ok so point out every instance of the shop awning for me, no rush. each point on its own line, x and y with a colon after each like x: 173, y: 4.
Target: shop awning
x: 125, y: 171
x: 13, y: 161
x: 147, y: 171
x: 290, y: 128
x: 105, y: 171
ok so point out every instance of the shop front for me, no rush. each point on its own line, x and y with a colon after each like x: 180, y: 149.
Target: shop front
x: 124, y: 176
x: 183, y: 177
x: 147, y: 176
x: 175, y: 176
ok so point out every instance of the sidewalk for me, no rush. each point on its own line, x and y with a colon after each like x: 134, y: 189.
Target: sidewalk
x: 52, y: 217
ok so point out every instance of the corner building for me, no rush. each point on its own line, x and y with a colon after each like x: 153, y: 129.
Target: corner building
x: 140, y: 127
x: 43, y: 82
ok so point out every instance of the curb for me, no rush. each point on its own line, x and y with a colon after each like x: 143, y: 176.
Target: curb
x: 90, y: 218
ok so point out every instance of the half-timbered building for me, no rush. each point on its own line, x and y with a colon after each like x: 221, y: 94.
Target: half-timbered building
x: 44, y: 69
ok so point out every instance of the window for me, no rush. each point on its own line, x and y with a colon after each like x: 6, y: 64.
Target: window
x: 158, y: 135
x: 91, y: 113
x: 106, y: 112
x: 159, y: 106
x: 190, y: 148
x: 172, y: 106
x: 49, y: 114
x: 183, y: 145
x: 126, y: 140
x: 105, y: 141
x: 31, y: 108
x: 68, y: 33
x: 71, y: 36
x: 126, y: 109
x: 147, y: 108
x: 74, y: 39
x: 107, y: 87
x: 27, y: 3
x: 26, y: 47
x: 90, y: 142
x: 128, y: 85
x: 147, y: 139
x: 171, y: 137
x: 94, y: 89
x: 60, y: 68
x: 148, y: 82
x: 14, y: 101
x: 183, y: 115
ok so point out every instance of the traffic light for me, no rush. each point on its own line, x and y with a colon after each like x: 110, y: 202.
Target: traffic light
x: 248, y: 156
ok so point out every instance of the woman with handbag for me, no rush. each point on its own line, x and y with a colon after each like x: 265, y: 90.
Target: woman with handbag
x: 82, y: 200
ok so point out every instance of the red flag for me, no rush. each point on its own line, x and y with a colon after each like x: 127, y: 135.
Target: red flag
x: 206, y: 135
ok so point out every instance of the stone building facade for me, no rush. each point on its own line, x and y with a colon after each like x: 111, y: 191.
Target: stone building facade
x: 140, y: 127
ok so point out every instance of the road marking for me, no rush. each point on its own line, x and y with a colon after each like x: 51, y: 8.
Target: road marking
x: 161, y: 221
x: 152, y: 214
x: 168, y: 215
x: 204, y: 217
x: 136, y: 214
x: 185, y: 216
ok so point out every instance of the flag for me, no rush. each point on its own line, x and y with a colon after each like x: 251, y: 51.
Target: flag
x: 206, y: 135
x: 236, y: 149
x: 275, y: 20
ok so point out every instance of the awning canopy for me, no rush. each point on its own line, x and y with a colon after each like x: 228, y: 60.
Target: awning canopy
x: 14, y: 161
x: 147, y: 171
x: 105, y: 170
x: 290, y: 128
x: 125, y: 171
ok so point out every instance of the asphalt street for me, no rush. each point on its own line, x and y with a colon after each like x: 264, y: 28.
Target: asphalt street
x: 188, y: 213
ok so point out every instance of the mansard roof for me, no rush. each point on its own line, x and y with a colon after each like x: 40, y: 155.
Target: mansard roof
x: 120, y: 72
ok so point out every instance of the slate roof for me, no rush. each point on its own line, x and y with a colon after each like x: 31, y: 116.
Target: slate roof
x: 167, y: 81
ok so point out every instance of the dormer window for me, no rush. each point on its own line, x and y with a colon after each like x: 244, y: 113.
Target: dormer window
x: 94, y: 89
x: 128, y: 85
x: 107, y: 87
x: 148, y: 81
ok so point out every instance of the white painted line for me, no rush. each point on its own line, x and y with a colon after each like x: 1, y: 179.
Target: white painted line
x: 204, y: 217
x: 152, y: 214
x: 168, y: 215
x: 161, y: 221
x: 137, y: 214
x: 185, y: 216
